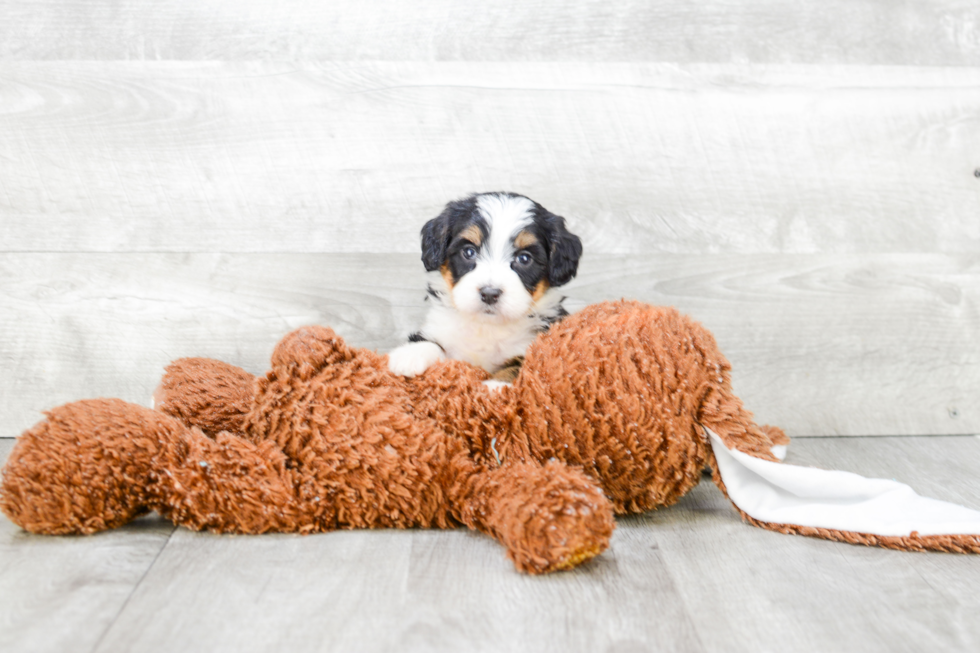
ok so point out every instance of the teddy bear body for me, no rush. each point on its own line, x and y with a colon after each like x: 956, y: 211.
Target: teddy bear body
x: 605, y: 417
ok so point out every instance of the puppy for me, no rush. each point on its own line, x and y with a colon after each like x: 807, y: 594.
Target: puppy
x: 494, y: 261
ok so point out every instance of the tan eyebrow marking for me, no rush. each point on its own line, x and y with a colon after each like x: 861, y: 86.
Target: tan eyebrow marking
x: 473, y: 234
x: 524, y: 239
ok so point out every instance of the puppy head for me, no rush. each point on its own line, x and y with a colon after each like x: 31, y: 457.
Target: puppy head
x: 499, y: 254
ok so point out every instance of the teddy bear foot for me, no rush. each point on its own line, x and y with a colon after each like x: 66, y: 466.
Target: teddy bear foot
x: 550, y: 517
x: 557, y: 539
x: 576, y: 558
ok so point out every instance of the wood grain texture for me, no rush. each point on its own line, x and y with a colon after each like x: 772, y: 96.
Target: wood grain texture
x: 820, y: 344
x: 394, y: 591
x: 85, y: 325
x: 199, y: 178
x: 60, y: 594
x: 941, y: 32
x: 825, y: 344
x: 752, y: 590
x: 691, y: 577
x: 355, y: 157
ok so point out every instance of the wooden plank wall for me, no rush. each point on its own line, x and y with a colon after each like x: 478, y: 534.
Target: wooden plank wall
x: 937, y: 33
x: 195, y: 180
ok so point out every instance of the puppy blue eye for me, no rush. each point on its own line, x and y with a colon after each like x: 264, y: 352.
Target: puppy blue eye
x: 469, y: 252
x: 523, y: 258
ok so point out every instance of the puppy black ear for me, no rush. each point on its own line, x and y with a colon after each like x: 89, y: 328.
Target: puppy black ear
x: 564, y: 250
x: 435, y: 240
x: 437, y: 232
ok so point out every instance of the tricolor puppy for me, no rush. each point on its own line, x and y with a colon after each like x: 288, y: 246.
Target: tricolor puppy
x: 494, y: 261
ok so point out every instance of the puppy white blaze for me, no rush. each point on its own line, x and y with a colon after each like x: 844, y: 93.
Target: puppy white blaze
x: 485, y: 343
x: 506, y: 217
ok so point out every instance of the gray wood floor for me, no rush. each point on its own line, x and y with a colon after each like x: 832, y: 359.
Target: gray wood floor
x: 692, y: 577
x: 197, y: 178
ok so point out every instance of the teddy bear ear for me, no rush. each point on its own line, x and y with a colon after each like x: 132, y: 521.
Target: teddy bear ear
x: 318, y: 346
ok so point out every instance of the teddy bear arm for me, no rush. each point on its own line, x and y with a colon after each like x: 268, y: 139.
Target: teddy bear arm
x: 206, y: 393
x: 317, y: 346
x: 549, y: 517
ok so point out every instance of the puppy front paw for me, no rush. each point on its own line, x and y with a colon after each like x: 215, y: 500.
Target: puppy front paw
x: 414, y: 358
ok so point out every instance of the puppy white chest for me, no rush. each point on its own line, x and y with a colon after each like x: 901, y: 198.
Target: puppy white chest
x: 477, y: 341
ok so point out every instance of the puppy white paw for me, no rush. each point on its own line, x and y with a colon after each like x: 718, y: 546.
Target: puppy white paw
x: 494, y: 384
x: 414, y: 358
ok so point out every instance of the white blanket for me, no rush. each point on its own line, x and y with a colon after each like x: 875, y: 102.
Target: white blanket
x: 805, y: 496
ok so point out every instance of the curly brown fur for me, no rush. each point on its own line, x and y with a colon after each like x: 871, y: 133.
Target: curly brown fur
x: 206, y: 393
x: 605, y: 415
x: 549, y: 517
x: 93, y: 465
x: 327, y: 439
x: 625, y: 404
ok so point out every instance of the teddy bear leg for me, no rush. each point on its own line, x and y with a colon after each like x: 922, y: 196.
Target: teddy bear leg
x: 94, y: 465
x: 549, y: 517
x: 206, y: 393
x: 85, y: 468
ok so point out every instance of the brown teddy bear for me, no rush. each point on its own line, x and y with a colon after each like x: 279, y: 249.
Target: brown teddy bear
x: 606, y: 417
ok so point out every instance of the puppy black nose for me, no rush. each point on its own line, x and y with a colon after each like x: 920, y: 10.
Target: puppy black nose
x: 490, y: 294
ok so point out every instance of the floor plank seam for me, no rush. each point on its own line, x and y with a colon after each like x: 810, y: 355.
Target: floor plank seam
x: 122, y: 608
x: 689, y: 613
